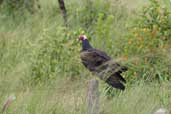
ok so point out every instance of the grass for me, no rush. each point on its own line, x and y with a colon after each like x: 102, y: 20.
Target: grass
x: 71, y: 99
x: 40, y: 64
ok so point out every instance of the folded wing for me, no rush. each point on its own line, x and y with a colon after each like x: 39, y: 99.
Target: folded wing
x: 104, y: 67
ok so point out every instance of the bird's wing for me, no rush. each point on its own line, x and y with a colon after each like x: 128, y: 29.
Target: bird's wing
x: 93, y: 58
x: 104, y: 67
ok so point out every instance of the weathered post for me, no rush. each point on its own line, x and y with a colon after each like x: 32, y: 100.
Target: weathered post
x: 7, y: 103
x: 63, y: 10
x: 93, y: 97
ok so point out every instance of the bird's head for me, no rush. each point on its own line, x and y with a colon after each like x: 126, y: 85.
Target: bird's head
x: 85, y: 43
x: 82, y: 37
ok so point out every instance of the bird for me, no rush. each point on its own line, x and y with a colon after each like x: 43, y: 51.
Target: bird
x: 102, y: 65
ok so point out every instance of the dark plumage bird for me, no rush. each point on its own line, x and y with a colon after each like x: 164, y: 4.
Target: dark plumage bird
x: 100, y: 64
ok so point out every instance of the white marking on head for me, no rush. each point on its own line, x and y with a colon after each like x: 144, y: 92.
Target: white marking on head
x: 82, y: 37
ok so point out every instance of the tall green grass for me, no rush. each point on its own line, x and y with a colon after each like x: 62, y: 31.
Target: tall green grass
x: 71, y: 99
x: 40, y: 64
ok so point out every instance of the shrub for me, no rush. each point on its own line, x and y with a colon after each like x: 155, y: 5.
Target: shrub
x: 58, y: 55
x: 148, y: 43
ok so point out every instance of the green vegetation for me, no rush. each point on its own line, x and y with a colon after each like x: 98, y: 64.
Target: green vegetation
x: 40, y: 64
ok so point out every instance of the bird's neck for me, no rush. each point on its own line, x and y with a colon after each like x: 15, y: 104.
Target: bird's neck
x: 86, y: 45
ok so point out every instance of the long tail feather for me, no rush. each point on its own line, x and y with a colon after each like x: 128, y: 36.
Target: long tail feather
x: 115, y: 82
x: 120, y: 78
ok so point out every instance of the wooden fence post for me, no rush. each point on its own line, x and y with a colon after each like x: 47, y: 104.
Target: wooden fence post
x: 63, y: 10
x: 93, y: 97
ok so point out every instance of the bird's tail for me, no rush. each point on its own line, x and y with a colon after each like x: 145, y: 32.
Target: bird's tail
x: 116, y: 80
